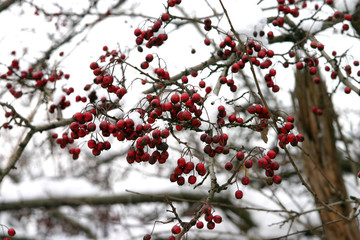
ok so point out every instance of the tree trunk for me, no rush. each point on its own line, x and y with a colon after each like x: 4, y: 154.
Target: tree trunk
x: 320, y: 160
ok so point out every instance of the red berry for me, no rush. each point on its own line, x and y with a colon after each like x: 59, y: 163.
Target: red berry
x: 207, y: 41
x: 200, y: 225
x: 196, y: 97
x: 176, y: 229
x: 337, y: 14
x: 289, y: 125
x: 149, y: 57
x: 240, y: 156
x: 248, y: 163
x: 290, y: 118
x: 180, y: 181
x: 274, y: 165
x: 347, y: 90
x: 348, y: 17
x: 147, y: 237
x: 175, y: 98
x: 245, y: 180
x: 144, y: 65
x: 94, y: 65
x: 228, y: 166
x: 316, y: 80
x: 235, y: 68
x: 312, y: 70
x: 165, y: 17
x: 192, y: 179
x: 272, y: 72
x: 299, y: 65
x: 137, y: 32
x: 11, y: 232
x: 206, y: 209
x: 210, y: 225
x: 239, y: 194
x: 184, y: 97
x: 276, y: 179
x: 217, y: 219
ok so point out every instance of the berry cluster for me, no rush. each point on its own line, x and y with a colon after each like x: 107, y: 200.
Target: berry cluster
x: 184, y: 167
x: 286, y: 136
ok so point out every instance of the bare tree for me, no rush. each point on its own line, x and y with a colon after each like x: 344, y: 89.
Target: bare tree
x: 216, y: 128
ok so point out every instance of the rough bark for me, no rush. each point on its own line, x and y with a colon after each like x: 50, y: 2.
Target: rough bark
x: 321, y: 163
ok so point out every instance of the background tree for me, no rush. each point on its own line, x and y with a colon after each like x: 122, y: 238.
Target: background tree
x: 193, y: 122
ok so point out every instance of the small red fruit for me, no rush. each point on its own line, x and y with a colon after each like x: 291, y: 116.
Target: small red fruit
x: 245, y: 180
x: 239, y: 194
x: 276, y: 179
x: 240, y: 156
x: 347, y: 90
x: 11, y: 232
x: 299, y: 65
x: 210, y: 225
x: 200, y: 225
x: 196, y: 97
x: 147, y: 237
x: 271, y: 154
x: 290, y: 118
x: 192, y: 179
x: 165, y: 17
x: 228, y: 166
x: 248, y: 163
x: 176, y: 229
x: 184, y: 97
x: 217, y: 219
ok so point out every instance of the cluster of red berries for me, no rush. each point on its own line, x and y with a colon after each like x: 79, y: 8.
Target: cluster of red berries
x: 9, y: 114
x: 339, y: 16
x: 261, y: 113
x: 149, y: 35
x: 229, y: 82
x: 182, y: 109
x: 106, y: 80
x: 162, y: 73
x: 79, y: 129
x: 239, y: 156
x: 16, y: 94
x: 317, y: 111
x: 64, y: 140
x: 269, y: 80
x: 267, y: 163
x: 64, y: 103
x: 75, y: 152
x: 184, y: 167
x: 141, y: 154
x: 286, y: 136
x: 30, y: 75
x: 209, y: 218
x: 219, y: 140
x: 97, y: 147
x: 286, y: 8
x: 11, y: 68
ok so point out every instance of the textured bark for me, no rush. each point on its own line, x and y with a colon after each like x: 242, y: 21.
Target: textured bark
x: 355, y: 23
x: 321, y: 163
x: 6, y: 4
